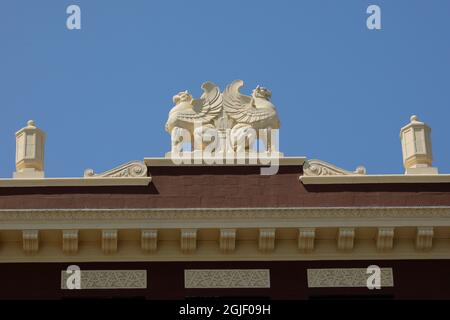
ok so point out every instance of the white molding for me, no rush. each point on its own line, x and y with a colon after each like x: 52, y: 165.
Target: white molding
x: 375, y: 179
x: 75, y: 182
x: 293, y: 230
x: 282, y: 161
x: 17, y: 219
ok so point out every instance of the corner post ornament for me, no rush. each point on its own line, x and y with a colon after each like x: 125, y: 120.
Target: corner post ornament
x: 416, y: 147
x: 30, y: 144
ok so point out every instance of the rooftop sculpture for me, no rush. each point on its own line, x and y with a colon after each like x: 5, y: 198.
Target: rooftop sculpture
x: 230, y: 117
x: 227, y: 123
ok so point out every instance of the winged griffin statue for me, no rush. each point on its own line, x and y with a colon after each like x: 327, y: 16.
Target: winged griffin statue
x: 190, y: 114
x: 231, y: 115
x: 254, y: 116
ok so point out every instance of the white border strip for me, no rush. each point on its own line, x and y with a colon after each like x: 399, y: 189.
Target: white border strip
x: 375, y: 179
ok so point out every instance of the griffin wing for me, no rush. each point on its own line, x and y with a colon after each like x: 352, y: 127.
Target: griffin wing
x: 206, y: 108
x: 241, y: 108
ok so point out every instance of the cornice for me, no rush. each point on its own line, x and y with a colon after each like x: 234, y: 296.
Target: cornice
x: 76, y: 182
x: 259, y: 161
x: 277, y: 217
x: 209, y: 234
x: 376, y: 179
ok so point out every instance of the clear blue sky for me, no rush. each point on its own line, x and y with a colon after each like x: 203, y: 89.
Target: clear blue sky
x: 103, y: 93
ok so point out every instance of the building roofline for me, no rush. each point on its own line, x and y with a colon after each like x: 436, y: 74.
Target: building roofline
x: 376, y: 179
x: 76, y: 182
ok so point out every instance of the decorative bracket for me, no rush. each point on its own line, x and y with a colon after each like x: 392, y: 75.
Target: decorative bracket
x: 149, y: 240
x: 227, y: 239
x: 306, y: 239
x: 30, y: 240
x: 109, y: 241
x: 266, y: 239
x: 346, y: 238
x: 188, y: 240
x: 70, y: 241
x: 385, y: 238
x: 424, y: 238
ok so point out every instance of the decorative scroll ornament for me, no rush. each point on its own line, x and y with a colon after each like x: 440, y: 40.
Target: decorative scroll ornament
x: 128, y: 170
x: 322, y: 168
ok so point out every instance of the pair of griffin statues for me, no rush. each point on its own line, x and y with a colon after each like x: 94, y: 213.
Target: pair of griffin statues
x: 229, y: 116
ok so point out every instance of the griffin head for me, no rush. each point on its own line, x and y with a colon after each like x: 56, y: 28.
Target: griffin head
x: 183, y: 96
x: 261, y: 92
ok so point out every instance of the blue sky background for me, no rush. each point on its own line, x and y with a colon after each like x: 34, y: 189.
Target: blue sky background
x: 103, y: 93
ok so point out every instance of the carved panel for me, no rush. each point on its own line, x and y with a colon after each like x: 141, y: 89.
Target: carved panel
x: 266, y: 239
x: 30, y: 240
x: 231, y: 278
x: 346, y: 277
x: 227, y: 239
x: 149, y: 240
x: 58, y: 215
x: 70, y: 241
x: 109, y: 279
x: 424, y: 238
x: 306, y: 239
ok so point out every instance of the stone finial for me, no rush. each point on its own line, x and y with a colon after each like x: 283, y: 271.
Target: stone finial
x: 30, y: 142
x: 416, y: 146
